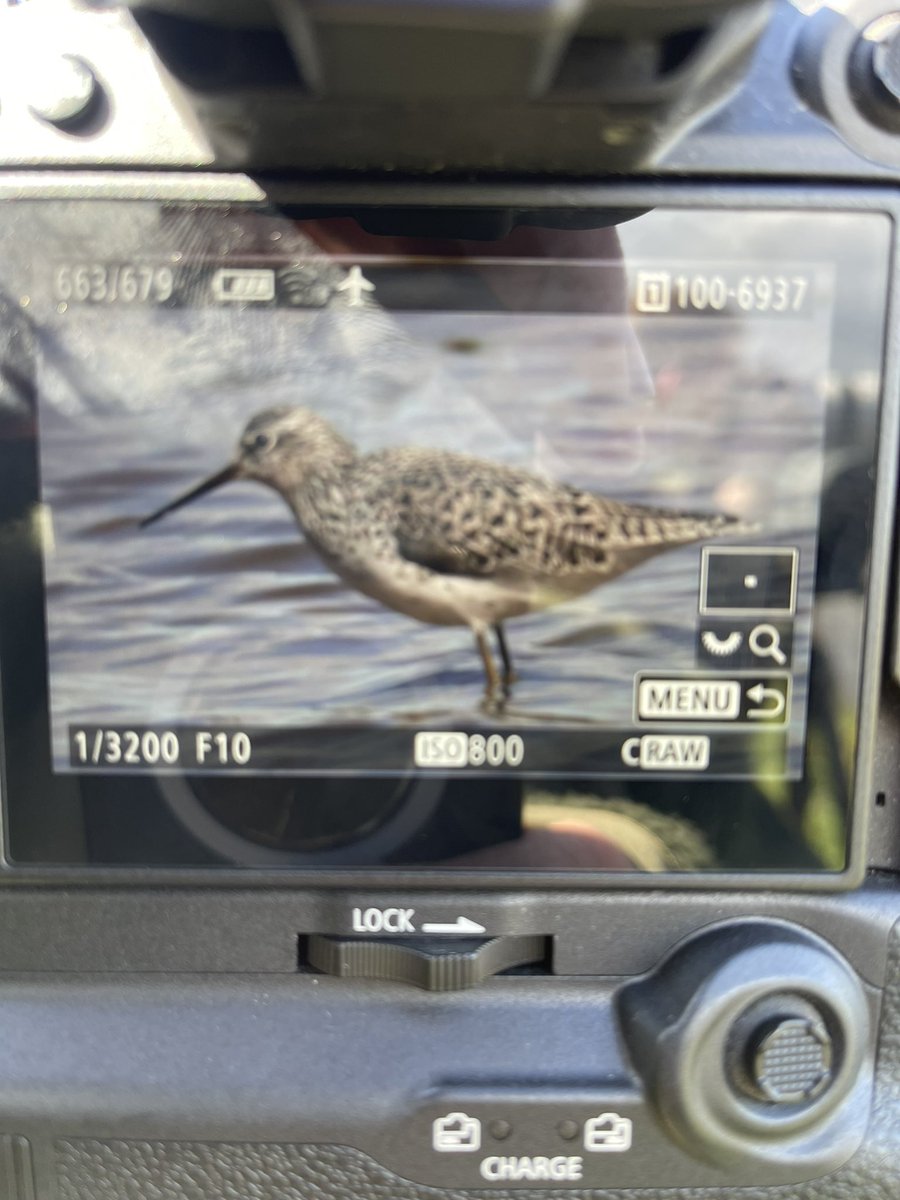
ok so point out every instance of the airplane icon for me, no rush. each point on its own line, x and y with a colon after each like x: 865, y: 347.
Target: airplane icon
x: 355, y: 285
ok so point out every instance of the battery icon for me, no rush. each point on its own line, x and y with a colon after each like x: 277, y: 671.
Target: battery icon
x: 243, y: 284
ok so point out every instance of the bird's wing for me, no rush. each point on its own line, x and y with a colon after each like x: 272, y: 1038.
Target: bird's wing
x: 461, y: 516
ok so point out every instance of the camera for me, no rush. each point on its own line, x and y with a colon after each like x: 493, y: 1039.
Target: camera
x: 448, y: 466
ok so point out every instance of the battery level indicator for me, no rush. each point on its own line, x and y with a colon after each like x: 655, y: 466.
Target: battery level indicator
x: 654, y: 292
x: 243, y: 284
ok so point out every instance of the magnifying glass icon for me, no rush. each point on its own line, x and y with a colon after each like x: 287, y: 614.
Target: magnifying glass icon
x: 765, y: 642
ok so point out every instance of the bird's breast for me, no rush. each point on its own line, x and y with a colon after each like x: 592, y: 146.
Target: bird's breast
x: 374, y: 567
x: 356, y: 539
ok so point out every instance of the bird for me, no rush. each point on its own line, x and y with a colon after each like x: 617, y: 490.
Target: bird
x: 444, y: 537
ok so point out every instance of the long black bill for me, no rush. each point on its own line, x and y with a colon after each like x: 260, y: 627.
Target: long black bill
x: 226, y: 475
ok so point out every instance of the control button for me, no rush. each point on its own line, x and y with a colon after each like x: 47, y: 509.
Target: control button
x: 62, y: 90
x: 874, y: 72
x: 782, y: 1051
x: 835, y: 73
x: 792, y: 1060
x: 752, y: 1041
x: 743, y: 582
x: 436, y: 966
x: 886, y: 58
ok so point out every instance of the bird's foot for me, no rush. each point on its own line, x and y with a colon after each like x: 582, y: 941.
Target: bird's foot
x: 494, y: 701
x: 509, y: 678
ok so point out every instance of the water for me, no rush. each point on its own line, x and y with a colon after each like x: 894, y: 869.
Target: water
x: 222, y: 614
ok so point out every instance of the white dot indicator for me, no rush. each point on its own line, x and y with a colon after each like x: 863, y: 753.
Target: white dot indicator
x: 751, y: 582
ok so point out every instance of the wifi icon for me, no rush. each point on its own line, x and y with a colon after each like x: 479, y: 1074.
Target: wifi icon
x: 303, y: 285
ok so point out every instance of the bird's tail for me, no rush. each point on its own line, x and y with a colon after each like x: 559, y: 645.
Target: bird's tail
x: 661, y: 527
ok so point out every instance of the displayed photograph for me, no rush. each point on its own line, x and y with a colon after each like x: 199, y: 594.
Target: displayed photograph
x: 338, y: 513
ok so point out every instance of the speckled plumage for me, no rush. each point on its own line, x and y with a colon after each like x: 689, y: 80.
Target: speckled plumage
x: 448, y: 538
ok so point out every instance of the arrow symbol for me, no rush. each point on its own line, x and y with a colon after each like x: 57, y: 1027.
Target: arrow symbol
x: 460, y: 925
x: 761, y: 696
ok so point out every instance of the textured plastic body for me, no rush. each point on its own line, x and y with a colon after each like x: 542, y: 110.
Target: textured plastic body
x: 201, y: 1087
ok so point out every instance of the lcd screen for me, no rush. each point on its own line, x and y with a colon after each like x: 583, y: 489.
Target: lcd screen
x: 571, y: 510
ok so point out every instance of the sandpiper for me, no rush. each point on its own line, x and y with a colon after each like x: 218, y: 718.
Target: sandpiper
x: 444, y: 537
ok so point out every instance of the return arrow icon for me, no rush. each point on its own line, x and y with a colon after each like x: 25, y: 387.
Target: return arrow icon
x: 764, y: 698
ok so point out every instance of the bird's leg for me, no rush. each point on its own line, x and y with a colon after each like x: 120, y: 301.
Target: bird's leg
x: 494, y: 696
x: 509, y: 671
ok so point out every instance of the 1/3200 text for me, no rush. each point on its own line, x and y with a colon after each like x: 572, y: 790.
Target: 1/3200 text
x: 94, y: 746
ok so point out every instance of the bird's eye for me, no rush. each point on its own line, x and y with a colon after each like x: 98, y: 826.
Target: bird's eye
x: 262, y: 441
